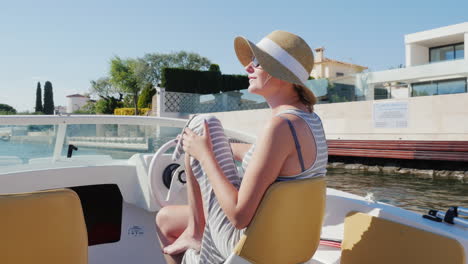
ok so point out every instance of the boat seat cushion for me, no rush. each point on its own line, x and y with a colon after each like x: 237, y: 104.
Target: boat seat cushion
x: 286, y: 227
x: 369, y: 239
x: 42, y: 227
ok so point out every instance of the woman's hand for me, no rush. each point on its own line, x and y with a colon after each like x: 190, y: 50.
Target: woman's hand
x: 197, y: 146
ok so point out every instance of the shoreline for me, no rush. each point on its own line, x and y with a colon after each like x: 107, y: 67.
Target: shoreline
x: 460, y: 175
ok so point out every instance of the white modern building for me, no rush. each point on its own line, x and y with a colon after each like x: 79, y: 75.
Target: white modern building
x: 75, y: 102
x: 435, y: 64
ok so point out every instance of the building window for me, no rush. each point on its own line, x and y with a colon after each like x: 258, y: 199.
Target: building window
x: 448, y: 52
x: 381, y: 93
x: 460, y: 51
x: 339, y: 74
x: 439, y: 87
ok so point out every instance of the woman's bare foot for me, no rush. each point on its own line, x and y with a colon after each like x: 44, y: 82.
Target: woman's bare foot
x: 186, y: 240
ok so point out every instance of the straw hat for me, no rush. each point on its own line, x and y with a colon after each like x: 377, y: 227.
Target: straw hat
x: 282, y: 54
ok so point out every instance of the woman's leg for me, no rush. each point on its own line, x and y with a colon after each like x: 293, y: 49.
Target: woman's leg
x: 192, y: 235
x: 171, y: 222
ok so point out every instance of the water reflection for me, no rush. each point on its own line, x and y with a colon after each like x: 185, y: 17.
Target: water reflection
x: 404, y: 191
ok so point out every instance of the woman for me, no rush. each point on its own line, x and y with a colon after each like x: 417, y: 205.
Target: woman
x: 292, y: 144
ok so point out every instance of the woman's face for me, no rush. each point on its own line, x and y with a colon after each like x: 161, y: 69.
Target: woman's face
x: 259, y: 79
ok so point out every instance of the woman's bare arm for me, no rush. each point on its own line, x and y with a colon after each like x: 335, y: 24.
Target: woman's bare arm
x: 239, y: 150
x: 272, y: 149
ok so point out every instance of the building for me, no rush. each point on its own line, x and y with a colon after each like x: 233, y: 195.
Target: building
x: 75, y: 102
x: 435, y: 65
x: 332, y: 69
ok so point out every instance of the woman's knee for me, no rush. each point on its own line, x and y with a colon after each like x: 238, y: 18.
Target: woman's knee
x: 198, y: 122
x: 163, y: 220
x: 172, y: 220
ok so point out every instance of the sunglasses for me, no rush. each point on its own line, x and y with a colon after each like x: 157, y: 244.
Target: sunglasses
x: 255, y: 62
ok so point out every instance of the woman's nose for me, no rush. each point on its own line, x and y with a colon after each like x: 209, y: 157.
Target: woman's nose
x: 249, y: 68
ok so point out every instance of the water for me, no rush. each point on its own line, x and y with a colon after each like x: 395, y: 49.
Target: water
x: 404, y: 191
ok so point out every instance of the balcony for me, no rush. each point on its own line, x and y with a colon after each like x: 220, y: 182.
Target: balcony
x: 421, y: 73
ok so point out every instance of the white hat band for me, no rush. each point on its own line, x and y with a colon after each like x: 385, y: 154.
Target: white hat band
x: 274, y: 50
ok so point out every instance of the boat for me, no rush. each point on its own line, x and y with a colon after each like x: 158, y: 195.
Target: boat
x: 120, y: 197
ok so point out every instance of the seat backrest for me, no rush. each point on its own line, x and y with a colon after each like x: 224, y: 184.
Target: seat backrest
x: 286, y: 227
x: 42, y: 227
x: 369, y: 239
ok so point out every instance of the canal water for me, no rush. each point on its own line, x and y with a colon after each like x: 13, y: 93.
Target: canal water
x: 405, y: 191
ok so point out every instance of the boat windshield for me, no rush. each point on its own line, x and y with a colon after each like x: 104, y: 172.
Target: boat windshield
x: 27, y: 142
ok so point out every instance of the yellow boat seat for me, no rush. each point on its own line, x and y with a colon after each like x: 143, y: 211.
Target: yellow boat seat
x: 286, y: 227
x: 369, y: 239
x: 44, y: 227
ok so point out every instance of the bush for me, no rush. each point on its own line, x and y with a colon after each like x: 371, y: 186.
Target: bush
x: 29, y: 113
x: 103, y: 106
x: 131, y: 111
x: 7, y: 110
x: 190, y: 81
x: 215, y: 68
x: 234, y: 82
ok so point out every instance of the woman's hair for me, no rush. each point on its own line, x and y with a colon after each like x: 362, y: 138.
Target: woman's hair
x: 308, y: 99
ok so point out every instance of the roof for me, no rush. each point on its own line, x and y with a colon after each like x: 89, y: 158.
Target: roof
x: 77, y: 95
x: 325, y: 60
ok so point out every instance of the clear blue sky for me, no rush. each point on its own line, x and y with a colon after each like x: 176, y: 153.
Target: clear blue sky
x: 70, y: 42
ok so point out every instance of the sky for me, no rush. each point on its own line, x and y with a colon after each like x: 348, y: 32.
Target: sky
x: 70, y: 43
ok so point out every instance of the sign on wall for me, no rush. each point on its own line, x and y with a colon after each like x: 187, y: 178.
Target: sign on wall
x: 391, y: 115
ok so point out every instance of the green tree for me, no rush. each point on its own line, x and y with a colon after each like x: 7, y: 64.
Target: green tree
x: 7, y: 110
x: 38, y: 107
x: 127, y: 101
x: 122, y: 75
x: 146, y: 96
x: 103, y: 88
x: 155, y: 62
x: 48, y: 99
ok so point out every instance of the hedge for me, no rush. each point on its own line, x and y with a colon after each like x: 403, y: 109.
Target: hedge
x: 201, y: 82
x: 131, y: 111
x: 234, y: 82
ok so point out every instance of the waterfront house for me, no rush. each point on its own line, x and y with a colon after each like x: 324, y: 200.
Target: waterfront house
x: 75, y: 102
x: 331, y: 69
x: 435, y: 65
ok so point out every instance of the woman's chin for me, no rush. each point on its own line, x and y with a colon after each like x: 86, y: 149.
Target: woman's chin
x: 253, y: 90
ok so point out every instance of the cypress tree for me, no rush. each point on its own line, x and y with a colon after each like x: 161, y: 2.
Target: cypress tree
x: 48, y: 99
x: 39, y: 98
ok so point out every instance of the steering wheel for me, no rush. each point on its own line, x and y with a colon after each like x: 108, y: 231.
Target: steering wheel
x: 167, y: 177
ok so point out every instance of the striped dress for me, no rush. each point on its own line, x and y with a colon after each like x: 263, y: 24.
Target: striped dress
x: 220, y: 236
